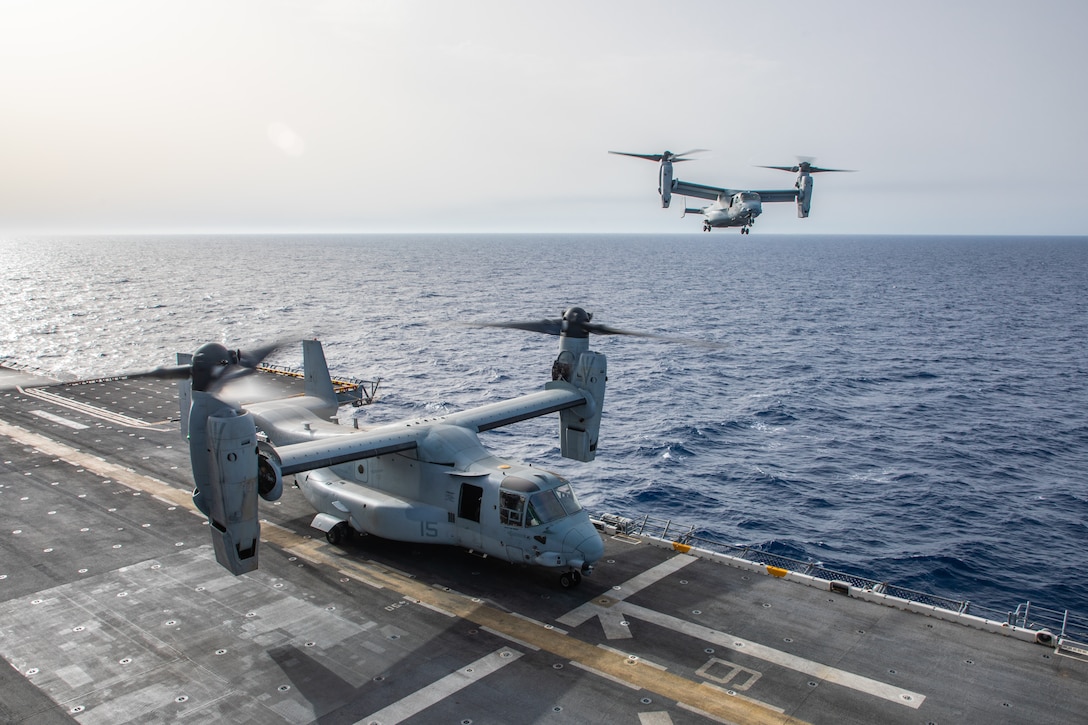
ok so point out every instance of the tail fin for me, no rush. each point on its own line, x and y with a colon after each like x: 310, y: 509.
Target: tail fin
x: 316, y: 370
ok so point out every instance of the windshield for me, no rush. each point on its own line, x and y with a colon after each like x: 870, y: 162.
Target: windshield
x: 547, y: 506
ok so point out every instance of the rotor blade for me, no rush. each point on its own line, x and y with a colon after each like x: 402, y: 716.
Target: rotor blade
x: 548, y: 327
x: 255, y: 357
x: 676, y: 157
x: 234, y: 372
x: 803, y: 166
x: 600, y: 329
x: 648, y: 157
x: 12, y: 381
x: 166, y: 372
x: 246, y: 364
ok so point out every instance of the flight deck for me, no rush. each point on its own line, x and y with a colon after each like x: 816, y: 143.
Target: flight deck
x: 113, y: 610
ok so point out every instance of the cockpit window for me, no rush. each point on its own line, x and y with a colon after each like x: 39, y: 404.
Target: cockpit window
x: 547, y: 506
x: 565, y: 494
x: 544, y: 508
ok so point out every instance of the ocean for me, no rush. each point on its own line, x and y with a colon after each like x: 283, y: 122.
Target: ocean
x: 911, y: 409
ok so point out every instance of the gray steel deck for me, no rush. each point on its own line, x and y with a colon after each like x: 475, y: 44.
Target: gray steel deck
x: 113, y: 610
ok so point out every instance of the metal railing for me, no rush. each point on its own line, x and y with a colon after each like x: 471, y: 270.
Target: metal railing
x: 1066, y: 627
x: 1071, y: 630
x: 348, y: 390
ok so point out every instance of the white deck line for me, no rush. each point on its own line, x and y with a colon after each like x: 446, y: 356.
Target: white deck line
x: 439, y: 690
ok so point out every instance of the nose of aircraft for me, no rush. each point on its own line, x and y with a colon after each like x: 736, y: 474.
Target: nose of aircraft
x: 585, y: 540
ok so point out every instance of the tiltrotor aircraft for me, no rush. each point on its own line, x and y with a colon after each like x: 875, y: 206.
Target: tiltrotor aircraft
x: 424, y: 480
x: 731, y: 207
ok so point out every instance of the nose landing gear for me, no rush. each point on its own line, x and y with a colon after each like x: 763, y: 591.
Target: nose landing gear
x: 570, y: 579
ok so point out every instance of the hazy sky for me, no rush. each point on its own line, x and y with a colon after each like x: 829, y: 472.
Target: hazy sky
x: 145, y: 116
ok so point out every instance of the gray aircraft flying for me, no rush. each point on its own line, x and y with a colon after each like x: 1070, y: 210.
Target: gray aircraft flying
x: 731, y: 207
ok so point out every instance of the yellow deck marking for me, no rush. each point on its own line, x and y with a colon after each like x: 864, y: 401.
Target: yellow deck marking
x: 113, y: 471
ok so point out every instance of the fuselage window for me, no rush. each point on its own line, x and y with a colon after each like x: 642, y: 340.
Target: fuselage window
x: 469, y: 506
x: 511, y: 508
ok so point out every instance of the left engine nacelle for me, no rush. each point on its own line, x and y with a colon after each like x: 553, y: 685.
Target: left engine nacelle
x: 665, y: 183
x: 229, y: 494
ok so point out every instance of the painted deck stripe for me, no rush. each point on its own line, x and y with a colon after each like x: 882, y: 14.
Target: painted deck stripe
x: 57, y: 419
x: 439, y: 690
x: 778, y: 657
x: 87, y: 409
x: 632, y: 586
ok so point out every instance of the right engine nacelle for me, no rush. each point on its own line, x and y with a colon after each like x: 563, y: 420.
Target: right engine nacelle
x: 804, y: 195
x: 579, y: 428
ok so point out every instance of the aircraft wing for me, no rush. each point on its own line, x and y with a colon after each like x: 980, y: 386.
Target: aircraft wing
x: 325, y: 452
x: 404, y: 436
x: 496, y: 415
x: 778, y: 195
x: 686, y: 188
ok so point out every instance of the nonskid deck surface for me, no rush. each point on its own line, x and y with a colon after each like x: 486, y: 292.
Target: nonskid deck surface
x: 112, y: 609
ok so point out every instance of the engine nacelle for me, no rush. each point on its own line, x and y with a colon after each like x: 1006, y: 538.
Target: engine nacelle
x: 665, y: 183
x: 269, y: 474
x: 228, y: 491
x: 804, y: 195
x: 579, y: 428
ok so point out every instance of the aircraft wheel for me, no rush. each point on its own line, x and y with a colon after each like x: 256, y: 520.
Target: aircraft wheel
x: 566, y: 580
x: 577, y: 576
x: 337, y: 533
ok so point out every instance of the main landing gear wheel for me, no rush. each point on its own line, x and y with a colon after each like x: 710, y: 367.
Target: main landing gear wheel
x: 338, y: 534
x: 570, y: 579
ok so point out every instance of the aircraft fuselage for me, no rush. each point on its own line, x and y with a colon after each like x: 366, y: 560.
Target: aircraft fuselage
x: 738, y: 210
x: 509, y: 510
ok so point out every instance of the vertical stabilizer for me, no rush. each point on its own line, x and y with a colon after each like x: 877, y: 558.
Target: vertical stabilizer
x: 316, y: 370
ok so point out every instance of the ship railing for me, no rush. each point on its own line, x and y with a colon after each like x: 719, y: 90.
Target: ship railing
x: 348, y: 390
x: 1070, y: 630
x: 1066, y: 627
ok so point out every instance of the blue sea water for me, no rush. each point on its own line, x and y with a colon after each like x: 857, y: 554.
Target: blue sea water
x: 910, y: 409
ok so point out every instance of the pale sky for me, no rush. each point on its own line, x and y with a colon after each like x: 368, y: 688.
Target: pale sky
x: 436, y: 116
